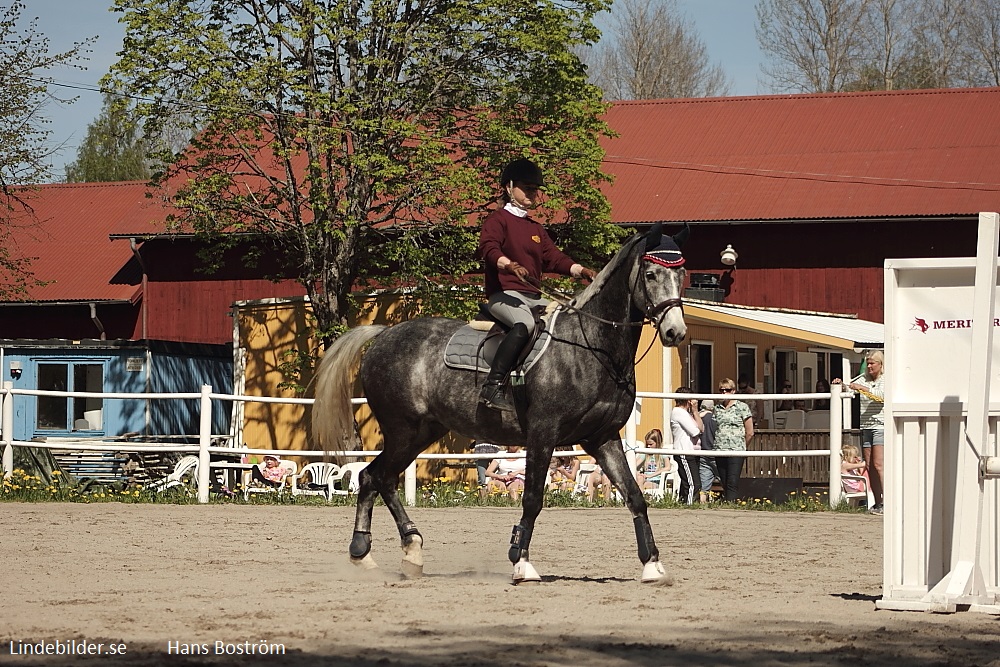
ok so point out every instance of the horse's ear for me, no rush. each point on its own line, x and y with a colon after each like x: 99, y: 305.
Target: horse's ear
x: 654, y: 237
x: 682, y: 235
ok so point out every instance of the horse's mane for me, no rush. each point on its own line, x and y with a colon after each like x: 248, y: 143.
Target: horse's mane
x: 602, y: 278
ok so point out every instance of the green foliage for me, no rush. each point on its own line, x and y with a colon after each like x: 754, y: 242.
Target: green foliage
x: 113, y: 150
x: 439, y: 492
x: 24, y: 152
x: 365, y: 137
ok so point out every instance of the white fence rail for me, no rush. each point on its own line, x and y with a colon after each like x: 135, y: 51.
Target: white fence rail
x: 204, y: 448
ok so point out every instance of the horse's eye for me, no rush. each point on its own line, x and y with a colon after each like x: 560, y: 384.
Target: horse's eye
x: 651, y: 275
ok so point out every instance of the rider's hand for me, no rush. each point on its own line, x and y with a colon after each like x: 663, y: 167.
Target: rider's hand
x: 517, y: 270
x: 587, y: 273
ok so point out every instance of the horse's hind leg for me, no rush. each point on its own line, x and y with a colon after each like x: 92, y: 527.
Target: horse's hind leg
x: 361, y: 541
x: 383, y: 476
x: 611, y: 458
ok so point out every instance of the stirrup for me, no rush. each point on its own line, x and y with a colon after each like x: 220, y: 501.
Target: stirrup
x: 494, y: 397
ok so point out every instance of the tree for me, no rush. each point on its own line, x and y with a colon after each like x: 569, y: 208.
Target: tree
x: 655, y: 53
x: 24, y: 151
x: 113, y: 150
x: 814, y: 45
x: 347, y: 130
x: 834, y: 45
x: 983, y: 31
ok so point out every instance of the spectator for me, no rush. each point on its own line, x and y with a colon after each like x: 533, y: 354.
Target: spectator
x: 562, y: 473
x: 871, y: 385
x: 799, y: 404
x: 851, y: 463
x: 733, y: 430
x: 785, y: 404
x: 822, y: 386
x: 686, y: 428
x: 507, y: 475
x: 650, y: 467
x: 707, y: 469
x: 598, y: 480
x: 756, y: 407
x: 271, y: 473
x: 483, y: 464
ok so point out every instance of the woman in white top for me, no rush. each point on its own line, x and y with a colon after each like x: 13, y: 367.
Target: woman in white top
x: 507, y: 474
x: 686, y: 427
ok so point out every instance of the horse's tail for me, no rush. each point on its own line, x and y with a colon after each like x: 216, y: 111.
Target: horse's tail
x: 332, y: 414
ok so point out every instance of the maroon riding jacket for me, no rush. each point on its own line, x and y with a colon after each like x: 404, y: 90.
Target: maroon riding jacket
x: 520, y: 240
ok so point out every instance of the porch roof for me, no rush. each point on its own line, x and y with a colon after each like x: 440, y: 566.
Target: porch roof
x: 825, y: 329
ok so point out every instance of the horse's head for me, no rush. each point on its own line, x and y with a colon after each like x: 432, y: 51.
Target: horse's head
x: 658, y: 281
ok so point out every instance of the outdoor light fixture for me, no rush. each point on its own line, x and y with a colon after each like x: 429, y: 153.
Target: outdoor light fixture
x: 15, y: 370
x: 729, y: 256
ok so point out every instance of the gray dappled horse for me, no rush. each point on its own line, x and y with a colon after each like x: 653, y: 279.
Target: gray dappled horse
x: 581, y: 391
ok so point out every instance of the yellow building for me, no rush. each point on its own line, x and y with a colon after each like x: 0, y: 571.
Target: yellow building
x: 768, y: 346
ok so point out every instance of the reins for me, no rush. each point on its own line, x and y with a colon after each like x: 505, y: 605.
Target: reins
x: 651, y: 315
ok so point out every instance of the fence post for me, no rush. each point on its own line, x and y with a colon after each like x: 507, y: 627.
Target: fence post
x: 204, y: 439
x: 410, y: 485
x: 630, y: 437
x: 7, y: 430
x: 836, y: 439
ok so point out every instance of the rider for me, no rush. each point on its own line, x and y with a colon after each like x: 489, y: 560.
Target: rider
x: 516, y: 250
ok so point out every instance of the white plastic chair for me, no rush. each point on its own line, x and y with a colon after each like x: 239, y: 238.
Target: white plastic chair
x: 795, y: 420
x: 852, y: 496
x: 585, y: 471
x: 187, y: 464
x: 320, y: 475
x: 818, y: 419
x: 351, y: 470
x: 251, y: 487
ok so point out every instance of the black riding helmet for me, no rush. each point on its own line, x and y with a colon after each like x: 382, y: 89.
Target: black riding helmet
x: 522, y: 170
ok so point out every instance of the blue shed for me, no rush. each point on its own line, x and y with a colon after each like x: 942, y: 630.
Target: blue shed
x: 105, y: 366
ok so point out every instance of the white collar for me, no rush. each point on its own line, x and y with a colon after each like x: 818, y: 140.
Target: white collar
x: 511, y: 207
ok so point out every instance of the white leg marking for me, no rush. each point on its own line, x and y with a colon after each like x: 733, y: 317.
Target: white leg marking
x: 366, y: 563
x: 525, y: 573
x: 413, y: 558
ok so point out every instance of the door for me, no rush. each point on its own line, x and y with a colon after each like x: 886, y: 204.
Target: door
x: 700, y: 367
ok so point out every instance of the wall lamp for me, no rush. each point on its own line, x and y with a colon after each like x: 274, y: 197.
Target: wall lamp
x: 729, y: 256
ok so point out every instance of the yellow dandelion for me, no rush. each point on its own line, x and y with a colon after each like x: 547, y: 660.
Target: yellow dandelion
x: 56, y: 473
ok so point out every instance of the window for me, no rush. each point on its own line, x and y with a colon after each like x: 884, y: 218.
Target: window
x: 70, y: 413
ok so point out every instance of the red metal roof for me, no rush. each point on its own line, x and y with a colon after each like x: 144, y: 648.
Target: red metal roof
x: 846, y: 155
x: 68, y: 236
x: 830, y: 156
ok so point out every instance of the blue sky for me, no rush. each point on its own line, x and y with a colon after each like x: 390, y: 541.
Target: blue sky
x: 726, y: 27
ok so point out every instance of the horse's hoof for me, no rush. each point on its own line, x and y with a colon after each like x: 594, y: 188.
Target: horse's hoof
x: 412, y: 570
x: 525, y: 573
x: 653, y: 573
x: 366, y: 563
x: 413, y: 558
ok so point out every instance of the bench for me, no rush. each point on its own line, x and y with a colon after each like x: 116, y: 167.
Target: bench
x: 105, y: 467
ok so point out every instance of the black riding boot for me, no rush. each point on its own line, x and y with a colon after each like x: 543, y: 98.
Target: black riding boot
x: 493, y: 394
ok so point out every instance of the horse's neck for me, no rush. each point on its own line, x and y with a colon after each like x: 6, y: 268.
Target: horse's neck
x: 614, y: 303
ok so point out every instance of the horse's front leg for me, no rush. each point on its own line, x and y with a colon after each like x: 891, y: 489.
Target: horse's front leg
x: 611, y: 457
x: 538, y: 458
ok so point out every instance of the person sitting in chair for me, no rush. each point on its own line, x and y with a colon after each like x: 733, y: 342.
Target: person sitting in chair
x: 271, y: 474
x: 516, y: 250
